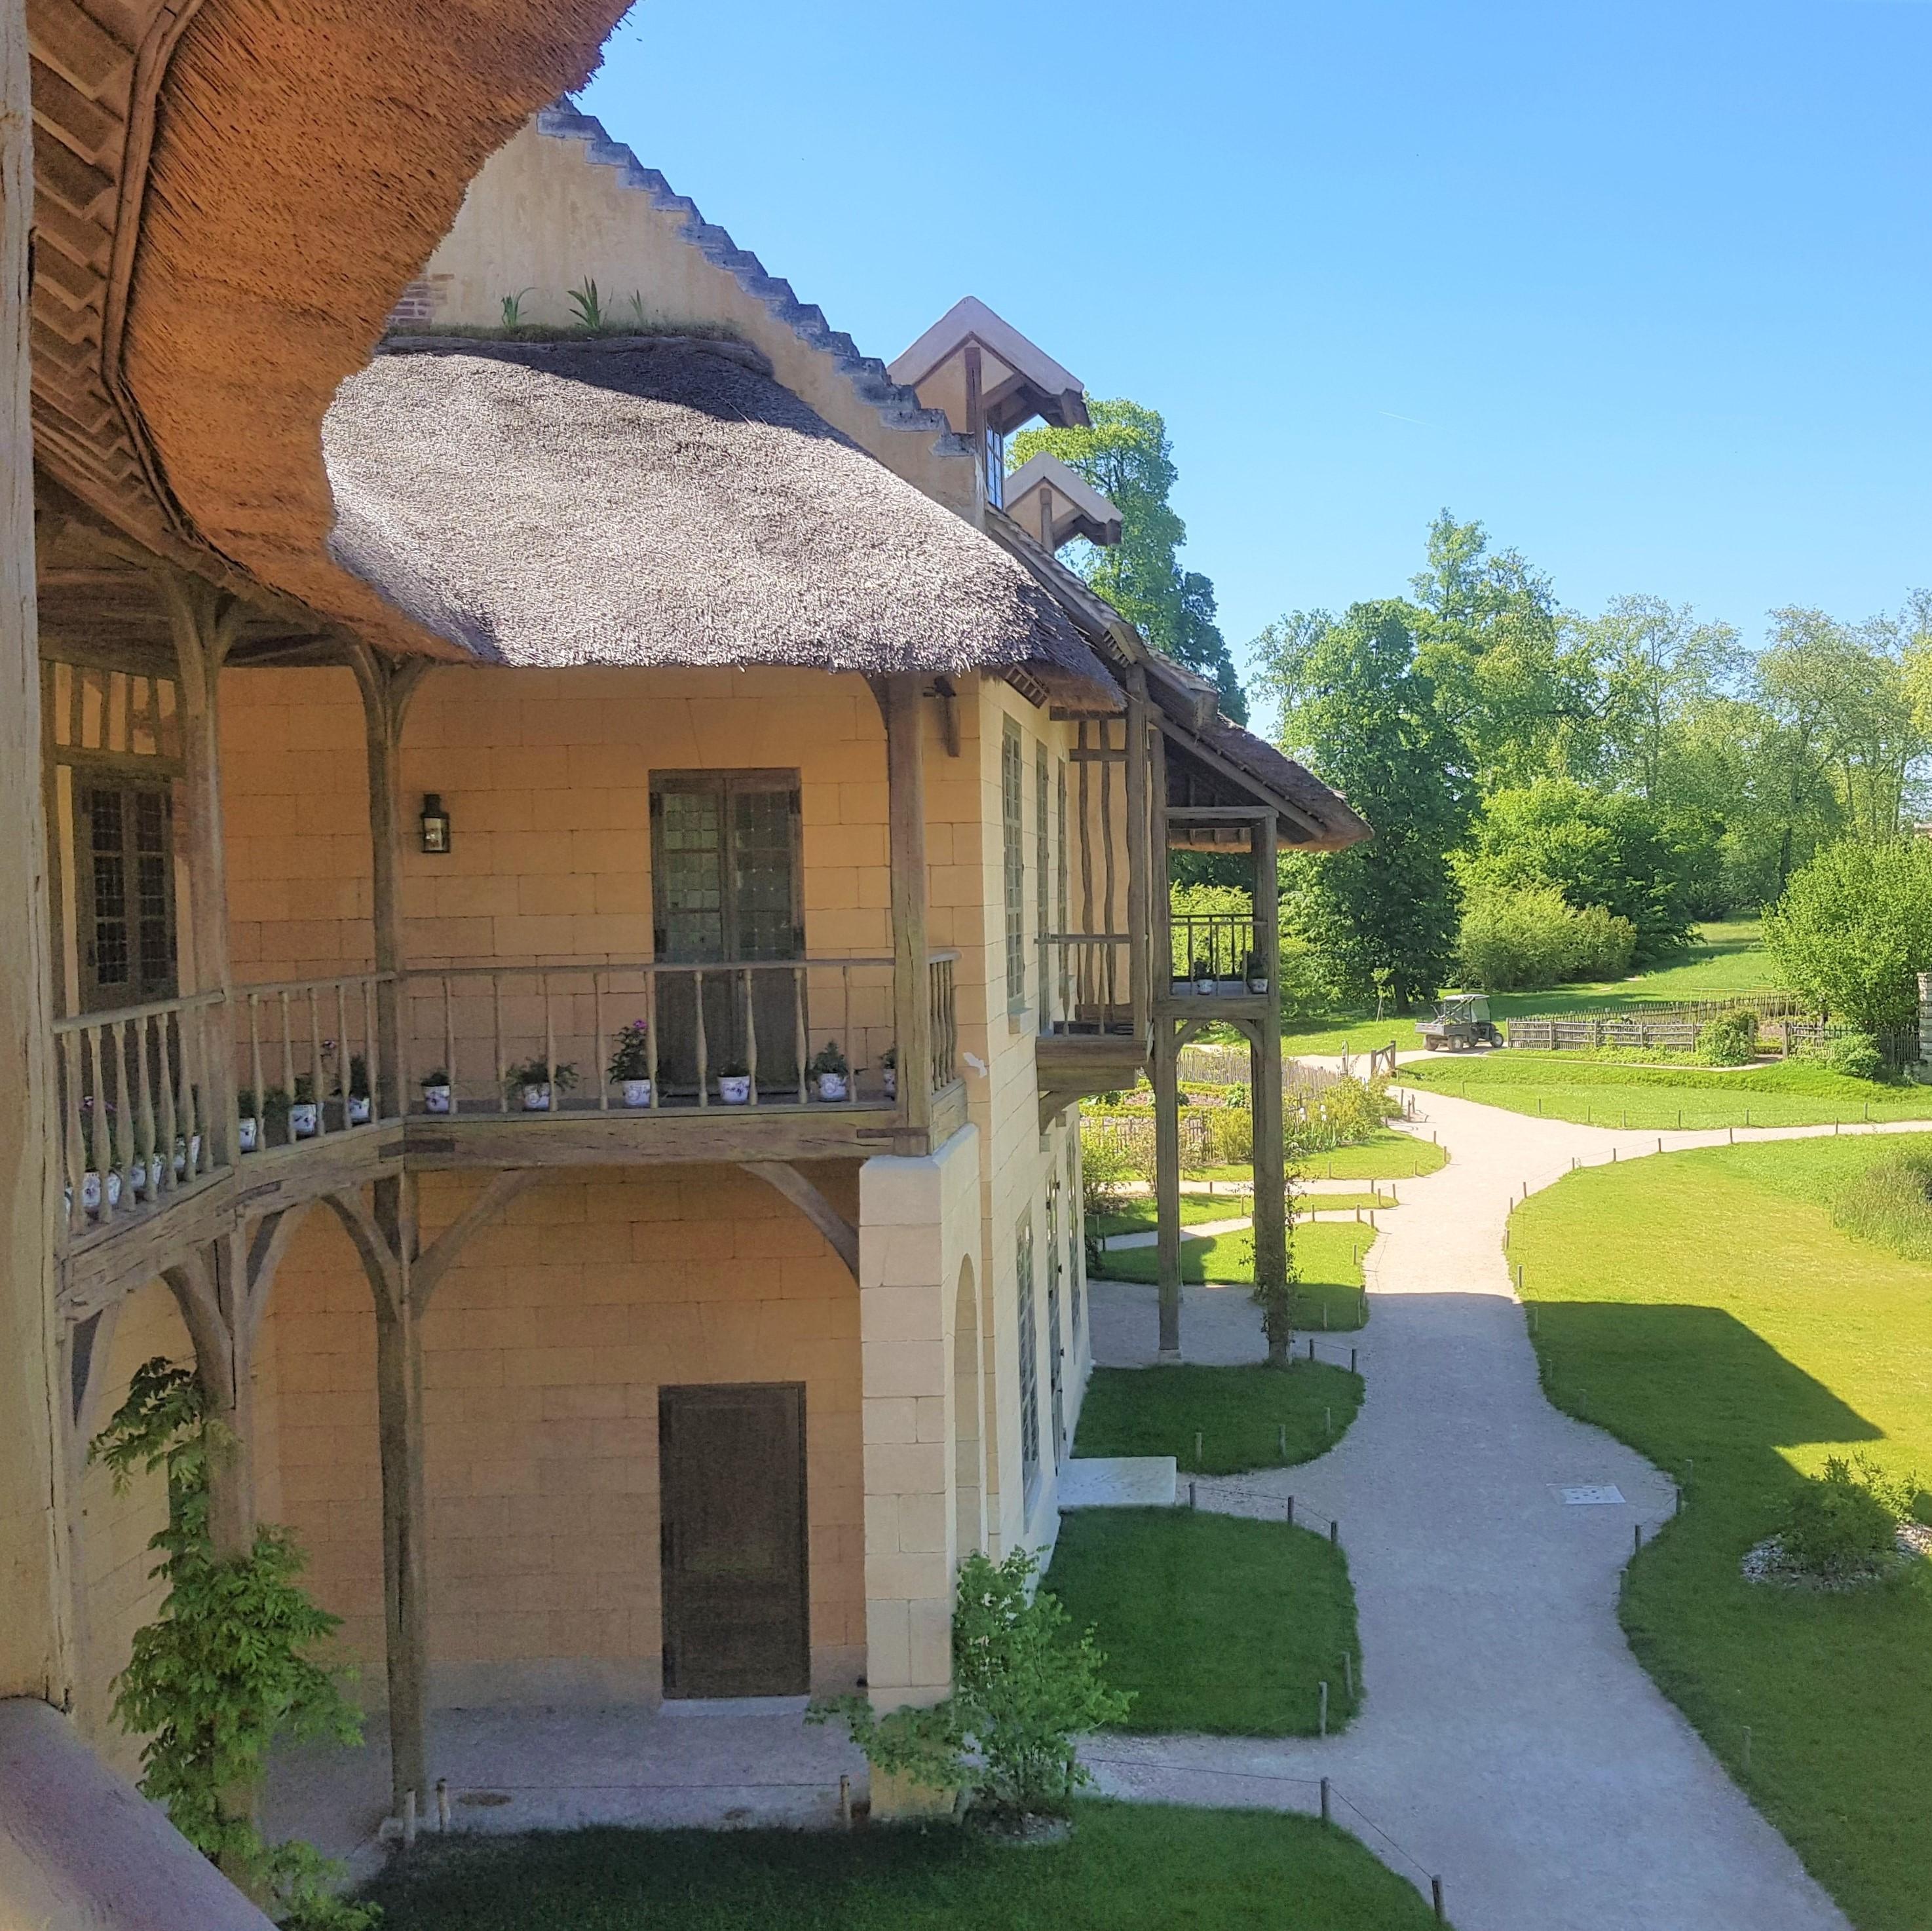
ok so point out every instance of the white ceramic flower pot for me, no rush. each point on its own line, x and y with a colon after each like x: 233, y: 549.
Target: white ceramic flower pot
x: 248, y: 1132
x: 302, y: 1120
x: 1204, y: 988
x: 734, y: 1089
x: 637, y: 1092
x: 831, y: 1086
x: 536, y: 1098
x: 145, y: 1177
x: 358, y: 1109
x: 891, y: 1075
x: 436, y: 1099
x: 1259, y: 984
x: 90, y: 1194
x: 187, y: 1155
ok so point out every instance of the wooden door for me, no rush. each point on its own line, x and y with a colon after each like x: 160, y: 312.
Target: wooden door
x: 725, y: 887
x: 737, y: 1616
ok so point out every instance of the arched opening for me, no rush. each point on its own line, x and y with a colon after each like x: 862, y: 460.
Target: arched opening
x: 970, y: 1515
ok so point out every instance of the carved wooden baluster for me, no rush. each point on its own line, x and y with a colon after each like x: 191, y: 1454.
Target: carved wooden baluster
x: 124, y: 1113
x: 288, y: 1063
x: 172, y: 1130
x: 597, y: 1022
x: 145, y: 1145
x: 344, y: 1055
x: 704, y: 1057
x: 315, y: 1062
x: 372, y: 1047
x: 751, y: 1037
x: 845, y: 1017
x: 496, y: 1022
x: 72, y: 1060
x: 550, y: 1043
x: 651, y: 1028
x: 448, y: 1045
x: 101, y: 1150
x: 804, y: 1048
x: 255, y: 1069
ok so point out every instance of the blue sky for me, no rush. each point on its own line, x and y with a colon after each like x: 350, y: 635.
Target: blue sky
x: 1645, y: 288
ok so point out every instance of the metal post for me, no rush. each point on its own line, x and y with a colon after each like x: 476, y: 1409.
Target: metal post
x: 1325, y: 1800
x: 1322, y: 1714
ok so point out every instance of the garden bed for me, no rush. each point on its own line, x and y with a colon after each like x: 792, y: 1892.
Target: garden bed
x: 1247, y: 1418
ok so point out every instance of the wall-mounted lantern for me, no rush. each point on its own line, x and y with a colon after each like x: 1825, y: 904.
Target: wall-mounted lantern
x: 435, y: 823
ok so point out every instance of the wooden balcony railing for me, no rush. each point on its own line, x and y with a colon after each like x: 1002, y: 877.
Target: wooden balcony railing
x: 135, y: 1101
x: 308, y: 1059
x: 1087, y: 982
x: 1219, y: 947
x: 651, y: 1036
x: 943, y: 1019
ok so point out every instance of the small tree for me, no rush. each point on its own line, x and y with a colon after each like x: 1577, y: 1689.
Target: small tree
x: 225, y: 1669
x: 1853, y: 928
x: 1024, y: 1690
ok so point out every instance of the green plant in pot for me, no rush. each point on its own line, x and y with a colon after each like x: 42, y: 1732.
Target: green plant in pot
x: 1203, y: 972
x: 630, y: 1066
x: 889, y: 1071
x: 831, y: 1072
x: 248, y: 1121
x: 360, y: 1104
x: 734, y: 1080
x: 436, y: 1090
x: 1255, y: 973
x: 304, y: 1114
x: 537, y: 1082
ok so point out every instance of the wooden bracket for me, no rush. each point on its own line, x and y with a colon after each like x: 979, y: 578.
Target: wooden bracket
x: 840, y: 1234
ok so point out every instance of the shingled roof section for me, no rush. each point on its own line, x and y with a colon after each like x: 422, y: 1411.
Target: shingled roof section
x: 899, y: 407
x: 654, y: 501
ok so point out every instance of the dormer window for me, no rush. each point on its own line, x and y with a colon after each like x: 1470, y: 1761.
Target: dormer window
x: 996, y: 467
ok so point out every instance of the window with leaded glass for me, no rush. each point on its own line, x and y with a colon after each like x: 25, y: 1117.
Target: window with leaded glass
x: 1042, y: 880
x: 1029, y: 1359
x: 1011, y: 806
x: 127, y: 915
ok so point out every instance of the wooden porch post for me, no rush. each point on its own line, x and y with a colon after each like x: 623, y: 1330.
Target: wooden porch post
x: 387, y: 687
x: 898, y: 698
x: 1265, y: 1096
x: 1167, y: 1181
x: 1140, y: 883
x: 206, y: 622
x: 35, y: 1647
x: 405, y: 1507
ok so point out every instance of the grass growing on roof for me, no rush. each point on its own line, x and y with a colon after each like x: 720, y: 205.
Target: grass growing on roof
x: 1327, y: 1257
x: 1704, y: 1308
x: 1220, y: 1626
x: 1794, y: 1092
x: 1126, y: 1867
x: 1239, y: 1413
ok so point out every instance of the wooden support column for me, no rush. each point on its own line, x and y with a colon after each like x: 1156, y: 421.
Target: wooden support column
x: 1140, y: 879
x: 898, y: 698
x: 206, y: 622
x: 1271, y: 1230
x: 1167, y: 1182
x: 387, y: 686
x: 36, y: 1655
x: 399, y: 1402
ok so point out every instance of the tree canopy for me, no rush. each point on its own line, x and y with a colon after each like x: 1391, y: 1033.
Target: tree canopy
x: 1126, y: 455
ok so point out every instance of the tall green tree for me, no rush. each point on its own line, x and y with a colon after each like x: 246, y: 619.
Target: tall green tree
x: 1358, y: 709
x: 1126, y: 456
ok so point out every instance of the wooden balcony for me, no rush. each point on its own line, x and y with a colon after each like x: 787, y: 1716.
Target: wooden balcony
x: 1220, y: 963
x: 183, y: 1115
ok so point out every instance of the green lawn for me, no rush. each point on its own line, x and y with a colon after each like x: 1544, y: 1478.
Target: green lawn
x: 1729, y: 958
x: 1385, y: 1155
x: 1328, y: 1256
x: 1702, y: 1307
x: 1137, y: 1215
x: 1220, y: 1626
x: 1558, y: 1086
x: 1238, y: 1413
x: 1127, y: 1867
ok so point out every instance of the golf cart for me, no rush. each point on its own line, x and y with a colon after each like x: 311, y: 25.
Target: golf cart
x: 1462, y: 1019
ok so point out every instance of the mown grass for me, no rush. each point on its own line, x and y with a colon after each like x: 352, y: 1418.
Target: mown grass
x: 1220, y: 1626
x: 1327, y: 1258
x: 1126, y: 1867
x: 1730, y: 958
x: 1703, y: 1307
x: 1386, y: 1154
x: 1556, y: 1086
x: 1246, y: 1418
x: 1137, y: 1215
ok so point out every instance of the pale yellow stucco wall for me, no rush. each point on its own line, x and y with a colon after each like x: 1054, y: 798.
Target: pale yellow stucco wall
x: 543, y: 217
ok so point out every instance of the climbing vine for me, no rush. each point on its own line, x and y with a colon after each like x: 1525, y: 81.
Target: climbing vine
x: 227, y: 1665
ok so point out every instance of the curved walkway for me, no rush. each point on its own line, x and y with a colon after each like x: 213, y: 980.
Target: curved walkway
x: 1510, y: 1741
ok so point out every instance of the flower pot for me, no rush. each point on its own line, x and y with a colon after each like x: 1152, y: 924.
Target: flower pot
x: 145, y: 1177
x: 536, y: 1098
x: 303, y: 1118
x: 831, y: 1086
x: 248, y: 1132
x: 1204, y: 988
x: 90, y: 1194
x: 636, y: 1092
x: 359, y: 1109
x: 187, y: 1155
x: 436, y: 1099
x: 1259, y: 983
x: 891, y: 1075
x: 734, y: 1089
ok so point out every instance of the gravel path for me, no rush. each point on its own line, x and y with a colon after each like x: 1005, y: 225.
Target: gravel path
x: 1510, y: 1742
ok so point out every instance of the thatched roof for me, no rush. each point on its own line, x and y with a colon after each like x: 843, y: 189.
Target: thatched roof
x: 651, y: 502
x: 229, y: 198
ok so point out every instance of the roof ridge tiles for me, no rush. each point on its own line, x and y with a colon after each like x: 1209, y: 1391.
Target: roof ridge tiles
x: 897, y: 406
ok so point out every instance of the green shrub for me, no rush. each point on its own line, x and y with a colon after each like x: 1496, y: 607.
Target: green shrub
x: 1024, y: 1690
x: 1854, y: 1054
x: 1728, y: 1040
x: 1842, y: 1523
x: 1106, y: 1169
x: 1230, y: 1136
x: 1524, y: 938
